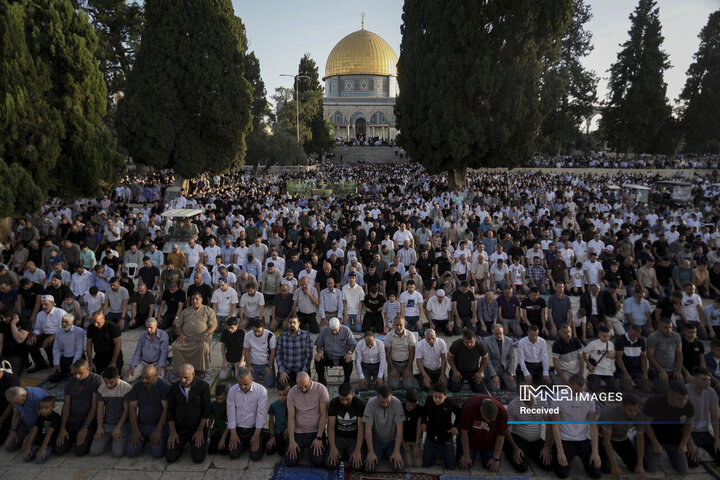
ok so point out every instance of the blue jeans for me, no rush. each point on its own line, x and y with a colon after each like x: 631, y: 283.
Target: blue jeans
x: 157, y: 451
x: 117, y: 317
x: 47, y: 451
x: 678, y: 461
x: 383, y: 447
x: 412, y: 322
x: 433, y: 449
x: 259, y: 375
x: 510, y: 323
x: 354, y: 324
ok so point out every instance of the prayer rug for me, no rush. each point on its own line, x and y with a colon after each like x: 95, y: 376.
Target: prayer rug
x: 713, y: 469
x: 391, y: 476
x: 304, y: 472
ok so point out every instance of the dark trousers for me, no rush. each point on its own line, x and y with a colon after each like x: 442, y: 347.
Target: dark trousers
x: 531, y: 450
x: 582, y: 449
x: 346, y: 447
x: 456, y: 386
x: 373, y: 321
x: 595, y: 382
x: 196, y: 453
x: 441, y: 326
x: 36, y: 355
x: 304, y: 441
x: 625, y: 449
x: 308, y: 321
x: 64, y: 372
x: 22, y: 431
x: 330, y: 362
x: 707, y: 442
x: 80, y: 449
x: 245, y: 435
x: 434, y: 378
x: 536, y: 372
x: 102, y: 362
x: 214, y: 443
x: 280, y: 445
x: 432, y: 450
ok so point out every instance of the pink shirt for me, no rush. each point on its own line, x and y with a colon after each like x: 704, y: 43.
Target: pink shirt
x: 307, y: 406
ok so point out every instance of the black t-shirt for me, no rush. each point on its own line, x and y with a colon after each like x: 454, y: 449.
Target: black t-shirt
x: 6, y: 381
x: 372, y: 280
x: 205, y: 290
x: 411, y: 420
x: 113, y: 263
x: 692, y: 351
x: 534, y: 309
x: 9, y: 299
x: 443, y: 265
x: 464, y: 302
x: 233, y: 344
x: 321, y: 277
x: 467, y: 360
x: 660, y: 410
x: 29, y: 296
x: 10, y: 346
x: 103, y: 339
x: 148, y: 275
x: 610, y: 276
x: 143, y: 303
x: 666, y: 307
x: 664, y: 274
x: 608, y: 303
x: 173, y: 299
x: 44, y: 425
x: 391, y: 281
x: 346, y: 423
x: 631, y: 353
x: 373, y: 306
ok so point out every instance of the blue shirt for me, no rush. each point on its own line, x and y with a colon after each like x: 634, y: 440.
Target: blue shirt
x: 151, y: 351
x: 252, y: 268
x: 29, y: 411
x: 335, y: 345
x: 157, y: 258
x: 68, y: 344
x: 713, y: 314
x: 294, y: 354
x: 636, y: 310
x: 279, y: 411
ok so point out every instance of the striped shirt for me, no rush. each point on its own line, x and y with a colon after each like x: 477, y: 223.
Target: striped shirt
x: 528, y: 431
x: 391, y: 310
x: 246, y: 410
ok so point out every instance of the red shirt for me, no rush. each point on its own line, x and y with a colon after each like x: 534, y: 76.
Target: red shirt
x: 482, y: 434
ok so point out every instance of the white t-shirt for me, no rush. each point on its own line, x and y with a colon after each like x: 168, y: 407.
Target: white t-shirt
x: 211, y: 253
x: 412, y: 303
x: 517, y: 273
x: 593, y: 270
x: 576, y: 277
x: 431, y: 355
x: 251, y: 305
x: 224, y: 300
x: 439, y: 311
x: 352, y: 297
x: 193, y: 254
x: 574, y: 411
x: 259, y: 354
x: 596, y: 349
x: 689, y: 307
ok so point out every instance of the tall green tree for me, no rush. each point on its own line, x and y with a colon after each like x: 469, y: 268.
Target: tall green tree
x: 638, y: 116
x: 279, y: 148
x: 259, y: 109
x: 52, y: 140
x: 187, y: 104
x: 701, y: 96
x: 118, y: 24
x: 568, y: 90
x: 469, y: 76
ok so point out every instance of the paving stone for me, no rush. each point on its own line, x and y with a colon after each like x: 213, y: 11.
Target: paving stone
x: 25, y: 472
x: 144, y: 462
x: 257, y: 474
x: 6, y: 458
x: 106, y: 461
x: 223, y: 461
x: 224, y: 474
x: 54, y: 473
x: 125, y: 475
x: 185, y: 464
x: 197, y: 475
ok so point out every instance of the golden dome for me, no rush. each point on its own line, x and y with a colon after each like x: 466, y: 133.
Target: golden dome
x: 362, y: 52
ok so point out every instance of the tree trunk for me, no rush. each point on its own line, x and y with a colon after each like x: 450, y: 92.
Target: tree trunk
x: 5, y: 229
x: 457, y: 178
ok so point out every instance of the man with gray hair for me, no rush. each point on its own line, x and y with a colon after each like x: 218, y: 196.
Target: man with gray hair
x: 503, y: 360
x: 431, y: 358
x: 400, y: 353
x: 151, y: 349
x: 68, y: 348
x: 47, y: 323
x: 246, y: 407
x: 335, y: 346
x: 25, y: 402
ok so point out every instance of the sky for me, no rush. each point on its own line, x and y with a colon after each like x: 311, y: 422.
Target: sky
x: 282, y: 31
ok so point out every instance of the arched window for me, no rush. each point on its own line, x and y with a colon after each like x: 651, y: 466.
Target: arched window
x: 378, y: 119
x: 338, y: 118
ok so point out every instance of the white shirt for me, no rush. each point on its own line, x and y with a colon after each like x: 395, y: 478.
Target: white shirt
x: 259, y: 352
x: 533, y: 353
x: 247, y: 410
x: 431, y: 356
x: 593, y: 270
x: 439, y: 311
x: 81, y: 283
x: 370, y: 355
x: 48, y: 323
x: 689, y: 307
x: 211, y: 253
x: 311, y: 275
x: 595, y: 350
x: 412, y: 303
x: 193, y: 254
x: 224, y: 300
x: 352, y: 297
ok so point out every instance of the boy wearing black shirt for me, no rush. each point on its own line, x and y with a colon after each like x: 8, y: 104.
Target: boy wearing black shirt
x: 440, y: 427
x: 373, y: 304
x: 44, y: 432
x: 231, y: 339
x: 412, y: 428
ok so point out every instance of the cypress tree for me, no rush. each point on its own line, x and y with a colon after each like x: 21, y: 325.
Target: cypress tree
x: 701, y: 95
x: 469, y: 80
x: 187, y: 103
x: 637, y: 115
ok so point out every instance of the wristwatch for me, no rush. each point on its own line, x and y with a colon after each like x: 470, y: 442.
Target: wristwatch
x: 497, y: 459
x: 318, y: 438
x: 419, y: 442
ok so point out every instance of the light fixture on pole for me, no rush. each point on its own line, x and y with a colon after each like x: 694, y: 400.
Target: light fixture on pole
x: 297, y: 101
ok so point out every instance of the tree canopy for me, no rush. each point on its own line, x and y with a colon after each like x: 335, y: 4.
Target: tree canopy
x: 469, y: 80
x: 638, y: 115
x: 701, y: 95
x: 52, y: 141
x: 187, y: 103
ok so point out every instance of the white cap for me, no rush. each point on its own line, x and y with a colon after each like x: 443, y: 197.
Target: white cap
x: 48, y: 298
x: 440, y: 292
x: 334, y: 323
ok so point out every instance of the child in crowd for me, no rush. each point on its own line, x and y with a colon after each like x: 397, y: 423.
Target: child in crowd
x: 41, y: 440
x: 231, y: 346
x: 579, y: 324
x: 218, y: 429
x: 290, y: 281
x: 277, y: 423
x: 713, y: 313
x: 577, y: 280
x: 440, y: 427
x: 412, y: 428
x: 390, y: 310
x: 70, y: 305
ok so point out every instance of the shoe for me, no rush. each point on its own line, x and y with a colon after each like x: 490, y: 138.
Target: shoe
x: 37, y: 368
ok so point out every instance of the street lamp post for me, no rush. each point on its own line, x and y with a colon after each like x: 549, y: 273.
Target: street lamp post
x: 297, y: 101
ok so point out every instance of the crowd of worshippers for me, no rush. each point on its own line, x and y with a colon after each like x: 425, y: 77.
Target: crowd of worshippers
x: 102, y: 412
x: 494, y: 263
